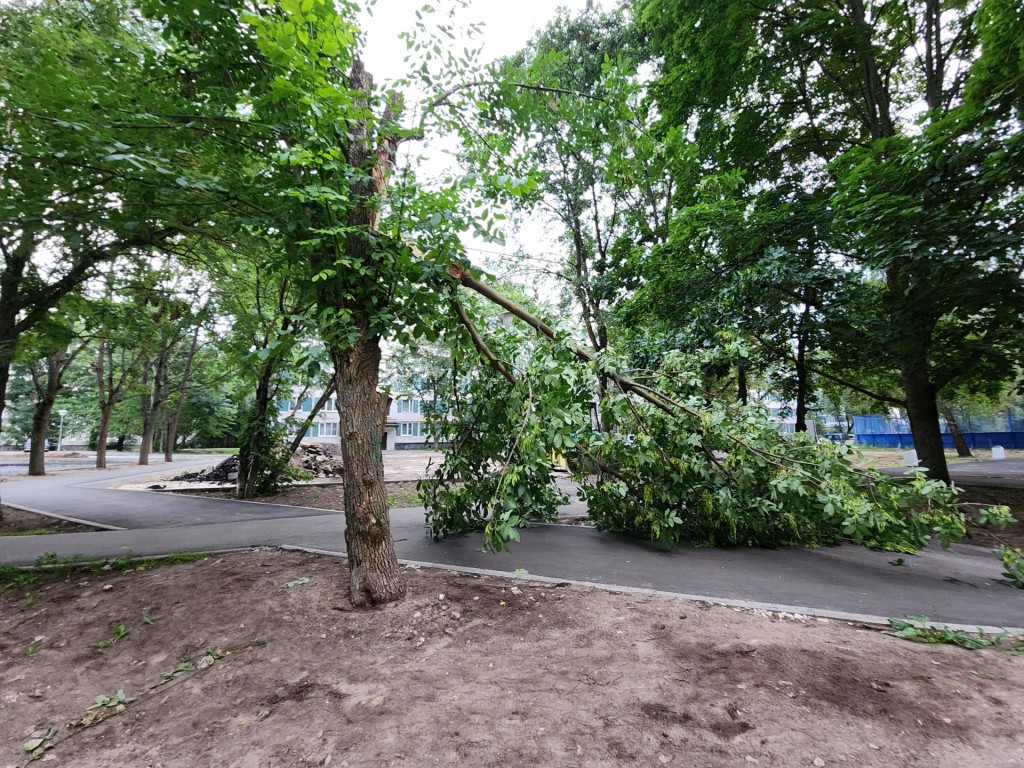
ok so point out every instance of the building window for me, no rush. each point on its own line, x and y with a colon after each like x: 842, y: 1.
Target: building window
x: 410, y: 429
x: 408, y: 405
x: 328, y: 429
x: 331, y: 405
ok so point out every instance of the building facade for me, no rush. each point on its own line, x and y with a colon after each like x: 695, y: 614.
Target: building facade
x: 405, y: 428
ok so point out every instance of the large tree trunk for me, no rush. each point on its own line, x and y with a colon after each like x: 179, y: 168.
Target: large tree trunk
x: 40, y: 430
x: 374, y: 574
x: 46, y: 396
x: 914, y: 341
x: 923, y: 411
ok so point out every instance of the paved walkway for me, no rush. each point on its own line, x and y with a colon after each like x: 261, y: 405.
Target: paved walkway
x: 962, y: 585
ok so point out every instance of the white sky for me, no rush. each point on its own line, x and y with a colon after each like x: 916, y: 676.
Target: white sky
x: 507, y: 26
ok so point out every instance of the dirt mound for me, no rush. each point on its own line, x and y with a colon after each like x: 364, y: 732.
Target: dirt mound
x: 225, y: 472
x: 315, y: 460
x: 245, y: 659
x: 318, y: 460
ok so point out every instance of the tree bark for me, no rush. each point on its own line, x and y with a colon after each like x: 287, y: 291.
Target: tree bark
x: 40, y: 430
x: 374, y: 574
x: 151, y: 403
x: 250, y: 461
x: 962, y: 449
x: 102, y: 434
x: 46, y: 396
x: 923, y: 411
x: 172, y: 412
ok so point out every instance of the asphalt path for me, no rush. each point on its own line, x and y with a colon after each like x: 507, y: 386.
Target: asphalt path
x: 1005, y: 473
x: 962, y: 585
x: 92, y: 497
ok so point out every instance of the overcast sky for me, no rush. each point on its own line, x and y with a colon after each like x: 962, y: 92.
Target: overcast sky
x: 508, y: 25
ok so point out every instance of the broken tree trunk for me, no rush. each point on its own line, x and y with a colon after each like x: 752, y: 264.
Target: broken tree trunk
x: 374, y: 574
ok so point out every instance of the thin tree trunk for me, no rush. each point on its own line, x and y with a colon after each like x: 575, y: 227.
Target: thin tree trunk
x: 172, y: 415
x: 106, y: 411
x: 317, y: 407
x: 374, y: 574
x: 742, y: 393
x: 151, y: 405
x: 802, y: 382
x: 255, y: 445
x: 962, y: 449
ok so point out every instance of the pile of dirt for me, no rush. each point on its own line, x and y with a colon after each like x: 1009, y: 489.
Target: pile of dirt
x: 318, y: 460
x: 251, y: 659
x: 225, y: 472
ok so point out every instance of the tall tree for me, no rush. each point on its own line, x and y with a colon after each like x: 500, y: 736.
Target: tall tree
x: 97, y: 160
x: 326, y: 142
x: 858, y: 108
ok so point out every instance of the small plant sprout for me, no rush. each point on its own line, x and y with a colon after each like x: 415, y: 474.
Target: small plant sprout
x: 120, y: 632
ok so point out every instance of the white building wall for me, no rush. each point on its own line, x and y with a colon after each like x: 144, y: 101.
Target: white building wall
x: 405, y: 427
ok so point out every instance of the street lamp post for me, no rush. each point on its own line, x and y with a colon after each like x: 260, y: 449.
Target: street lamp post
x: 60, y: 434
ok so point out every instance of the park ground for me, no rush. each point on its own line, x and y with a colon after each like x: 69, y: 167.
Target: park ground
x: 251, y: 659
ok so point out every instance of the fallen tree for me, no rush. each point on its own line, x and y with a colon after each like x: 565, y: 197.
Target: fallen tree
x: 681, y: 464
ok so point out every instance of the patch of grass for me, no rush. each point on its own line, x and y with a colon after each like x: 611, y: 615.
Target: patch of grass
x: 35, y: 532
x: 185, y: 557
x: 203, y: 451
x: 917, y: 629
x: 16, y: 577
x: 51, y: 564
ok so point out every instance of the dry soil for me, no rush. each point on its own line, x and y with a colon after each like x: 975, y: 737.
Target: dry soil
x: 473, y: 671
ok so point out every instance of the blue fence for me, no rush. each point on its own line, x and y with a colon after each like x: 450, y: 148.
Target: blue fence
x: 1005, y: 429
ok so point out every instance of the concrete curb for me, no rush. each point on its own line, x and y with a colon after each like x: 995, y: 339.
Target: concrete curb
x: 860, y: 618
x: 65, y: 518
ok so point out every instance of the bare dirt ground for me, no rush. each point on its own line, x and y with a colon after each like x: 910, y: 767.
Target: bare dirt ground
x: 14, y: 522
x: 988, y: 496
x: 893, y: 457
x: 473, y: 671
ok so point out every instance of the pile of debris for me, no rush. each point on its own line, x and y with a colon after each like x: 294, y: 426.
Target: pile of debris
x: 318, y: 460
x: 225, y: 472
x: 315, y: 460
